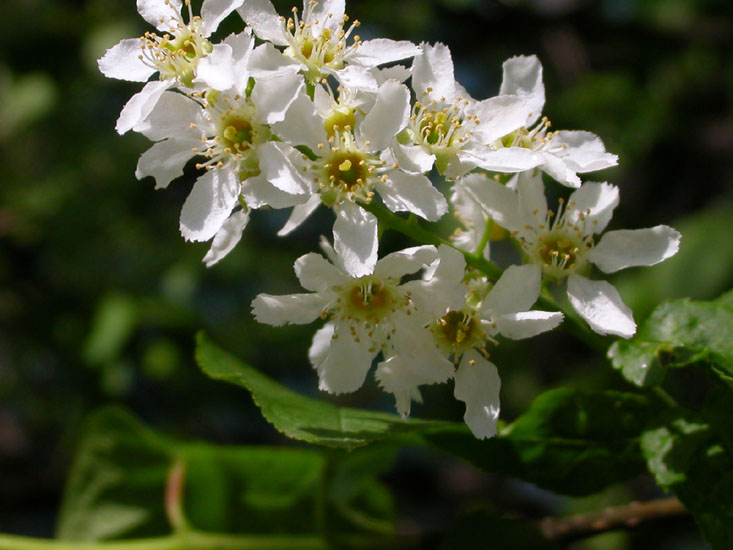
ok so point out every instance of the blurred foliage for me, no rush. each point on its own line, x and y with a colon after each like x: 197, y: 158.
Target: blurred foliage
x: 100, y: 297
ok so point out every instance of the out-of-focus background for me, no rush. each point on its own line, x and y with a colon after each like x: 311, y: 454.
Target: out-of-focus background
x: 100, y: 297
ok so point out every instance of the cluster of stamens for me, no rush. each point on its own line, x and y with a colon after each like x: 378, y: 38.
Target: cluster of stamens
x: 535, y: 139
x: 315, y: 52
x: 346, y: 171
x: 559, y: 245
x: 237, y: 137
x: 458, y: 331
x: 366, y: 308
x: 176, y: 55
x: 441, y: 128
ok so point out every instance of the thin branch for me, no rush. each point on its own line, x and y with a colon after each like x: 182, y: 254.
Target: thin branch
x: 615, y: 517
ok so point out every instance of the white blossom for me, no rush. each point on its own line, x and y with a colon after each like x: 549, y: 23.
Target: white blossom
x: 347, y: 166
x: 561, y: 154
x: 366, y: 315
x: 563, y: 243
x: 316, y: 43
x: 174, y: 54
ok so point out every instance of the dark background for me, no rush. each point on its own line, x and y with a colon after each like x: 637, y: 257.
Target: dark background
x: 100, y: 296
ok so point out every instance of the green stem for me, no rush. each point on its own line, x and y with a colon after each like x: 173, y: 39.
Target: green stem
x: 192, y: 540
x: 180, y: 541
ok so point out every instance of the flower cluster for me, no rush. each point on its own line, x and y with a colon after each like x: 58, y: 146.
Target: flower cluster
x: 297, y: 112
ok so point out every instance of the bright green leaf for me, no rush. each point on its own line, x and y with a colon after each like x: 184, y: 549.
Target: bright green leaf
x: 677, y: 334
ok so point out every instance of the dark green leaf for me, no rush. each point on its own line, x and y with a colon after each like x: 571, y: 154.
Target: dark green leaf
x: 677, y: 334
x: 118, y: 484
x: 687, y: 456
x: 568, y: 441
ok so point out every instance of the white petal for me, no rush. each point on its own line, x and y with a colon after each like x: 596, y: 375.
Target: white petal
x: 419, y: 354
x: 400, y: 73
x: 266, y: 60
x: 634, y: 247
x: 382, y: 50
x: 507, y: 159
x: 516, y: 290
x: 412, y: 158
x: 162, y: 14
x: 500, y: 202
x: 404, y: 262
x: 209, y: 204
x: 213, y: 12
x: 387, y: 117
x: 477, y: 384
x: 393, y: 377
x: 273, y: 95
x: 523, y: 77
x: 499, y: 116
x: 441, y: 289
x: 599, y: 303
x: 302, y: 124
x: 165, y: 161
x: 321, y: 344
x: 433, y: 68
x: 216, y: 70
x: 556, y: 167
x: 299, y: 214
x: 355, y: 77
x: 526, y: 324
x: 140, y: 105
x: 264, y: 20
x: 326, y: 14
x: 344, y: 365
x: 257, y: 192
x: 227, y: 237
x: 172, y: 118
x: 355, y: 239
x: 584, y: 151
x: 295, y: 309
x: 123, y: 61
x: 597, y: 201
x: 242, y: 45
x: 280, y: 163
x: 532, y: 201
x: 317, y: 274
x: 414, y: 193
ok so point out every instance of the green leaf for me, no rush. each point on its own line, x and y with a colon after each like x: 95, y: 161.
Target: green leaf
x: 677, y: 334
x: 301, y: 417
x: 568, y: 441
x: 118, y: 484
x: 687, y: 456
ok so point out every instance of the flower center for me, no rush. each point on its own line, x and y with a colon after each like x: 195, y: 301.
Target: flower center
x: 561, y: 251
x: 458, y: 331
x: 326, y: 49
x: 237, y: 134
x: 347, y: 172
x: 535, y: 139
x: 176, y: 55
x: 339, y: 119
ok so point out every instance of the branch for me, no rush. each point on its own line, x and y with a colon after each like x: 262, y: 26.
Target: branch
x: 616, y: 517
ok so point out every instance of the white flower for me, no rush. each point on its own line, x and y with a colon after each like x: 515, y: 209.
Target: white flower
x: 447, y: 127
x: 316, y: 43
x: 562, y: 154
x: 228, y: 129
x: 366, y: 315
x: 563, y: 243
x: 348, y: 166
x: 174, y: 54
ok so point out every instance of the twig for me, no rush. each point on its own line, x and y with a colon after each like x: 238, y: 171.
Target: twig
x: 615, y: 517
